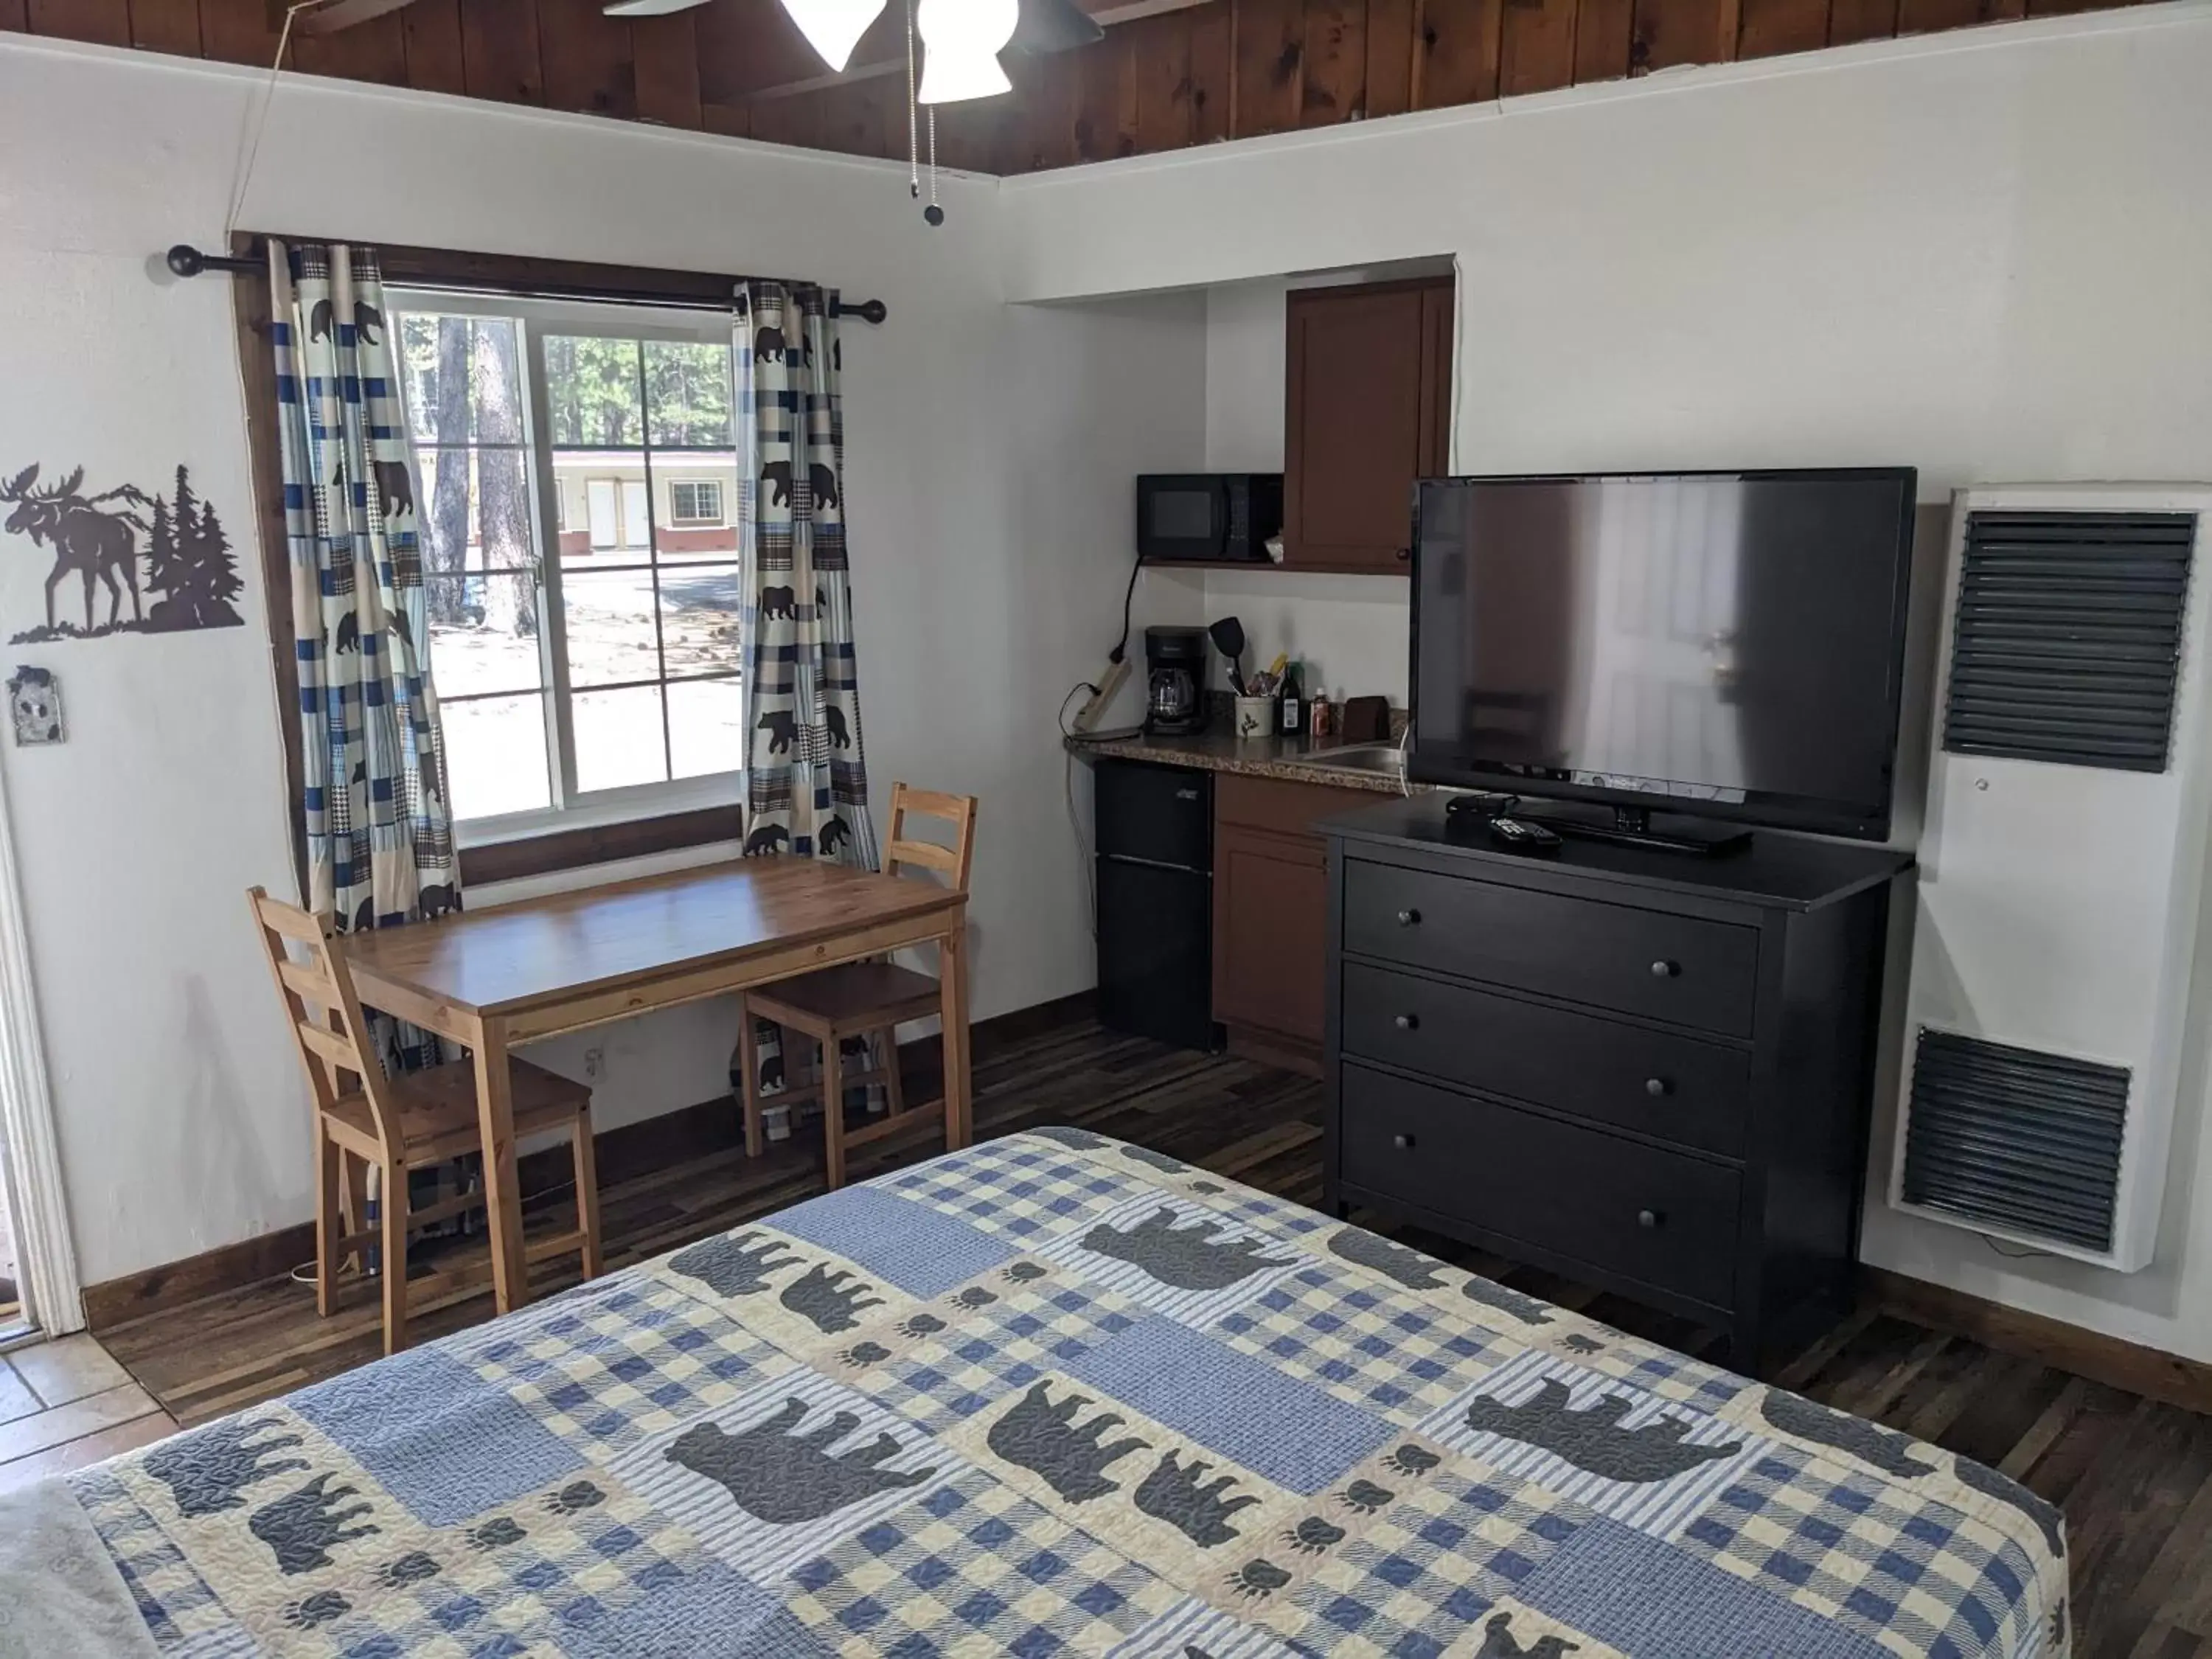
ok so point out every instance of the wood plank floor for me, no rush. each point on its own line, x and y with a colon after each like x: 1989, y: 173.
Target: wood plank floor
x: 2134, y: 1477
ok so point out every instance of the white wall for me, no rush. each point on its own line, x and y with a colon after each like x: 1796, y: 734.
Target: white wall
x: 988, y: 503
x: 1984, y: 254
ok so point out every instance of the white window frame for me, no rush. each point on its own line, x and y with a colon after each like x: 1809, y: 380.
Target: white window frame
x: 681, y: 520
x: 573, y: 808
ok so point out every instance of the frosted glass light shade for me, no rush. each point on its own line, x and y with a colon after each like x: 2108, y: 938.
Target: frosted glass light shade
x: 834, y: 27
x: 964, y: 37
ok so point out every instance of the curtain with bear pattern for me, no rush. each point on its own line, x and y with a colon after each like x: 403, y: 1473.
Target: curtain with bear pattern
x: 379, y: 841
x: 807, y: 785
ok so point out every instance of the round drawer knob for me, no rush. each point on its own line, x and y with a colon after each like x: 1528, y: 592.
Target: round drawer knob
x: 1403, y: 1143
x: 1408, y: 1022
x: 1663, y: 969
x: 1657, y: 1087
x: 1647, y: 1219
x: 1409, y: 918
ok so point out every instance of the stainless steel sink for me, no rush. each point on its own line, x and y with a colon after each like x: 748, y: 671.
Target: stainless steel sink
x: 1383, y: 757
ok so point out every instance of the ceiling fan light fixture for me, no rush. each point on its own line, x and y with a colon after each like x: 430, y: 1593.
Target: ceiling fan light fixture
x: 834, y: 27
x: 964, y: 37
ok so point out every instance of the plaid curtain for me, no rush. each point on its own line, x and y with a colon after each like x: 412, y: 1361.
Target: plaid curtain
x: 806, y: 785
x: 380, y: 842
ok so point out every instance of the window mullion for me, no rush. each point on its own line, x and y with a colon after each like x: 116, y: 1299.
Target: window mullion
x: 552, y: 610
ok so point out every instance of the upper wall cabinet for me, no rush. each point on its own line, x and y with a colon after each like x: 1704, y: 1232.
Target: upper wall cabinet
x: 1369, y: 411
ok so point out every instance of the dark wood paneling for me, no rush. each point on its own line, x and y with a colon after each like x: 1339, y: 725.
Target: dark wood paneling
x: 1537, y: 52
x: 172, y: 26
x: 1270, y: 61
x: 499, y: 51
x: 374, y: 52
x: 665, y: 52
x: 1669, y: 34
x: 586, y: 59
x: 1605, y: 34
x: 238, y: 32
x: 1335, y: 62
x: 1213, y: 72
x: 1389, y: 56
x: 1927, y: 16
x: 14, y: 15
x: 104, y: 22
x: 1861, y: 20
x: 1455, y: 54
x: 432, y: 32
x: 1106, y: 108
x: 1161, y: 46
x: 1770, y: 28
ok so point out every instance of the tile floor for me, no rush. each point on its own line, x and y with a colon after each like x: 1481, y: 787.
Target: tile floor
x: 65, y: 1404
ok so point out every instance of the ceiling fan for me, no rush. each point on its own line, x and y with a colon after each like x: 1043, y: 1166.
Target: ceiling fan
x: 963, y: 37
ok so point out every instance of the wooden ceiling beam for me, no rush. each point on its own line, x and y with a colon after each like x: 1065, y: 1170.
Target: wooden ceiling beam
x: 882, y: 50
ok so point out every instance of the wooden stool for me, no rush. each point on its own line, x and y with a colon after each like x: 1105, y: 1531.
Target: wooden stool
x: 859, y: 999
x: 399, y: 1123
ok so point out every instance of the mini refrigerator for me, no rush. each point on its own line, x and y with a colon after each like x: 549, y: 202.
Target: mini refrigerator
x: 1155, y: 888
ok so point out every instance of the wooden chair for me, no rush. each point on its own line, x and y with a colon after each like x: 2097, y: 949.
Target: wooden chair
x: 399, y: 1123
x: 859, y: 999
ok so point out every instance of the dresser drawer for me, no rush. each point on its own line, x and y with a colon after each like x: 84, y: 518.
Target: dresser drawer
x: 1612, y: 956
x: 1674, y: 1088
x: 1666, y: 1218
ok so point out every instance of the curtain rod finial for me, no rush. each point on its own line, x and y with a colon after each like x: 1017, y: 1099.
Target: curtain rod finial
x: 186, y: 260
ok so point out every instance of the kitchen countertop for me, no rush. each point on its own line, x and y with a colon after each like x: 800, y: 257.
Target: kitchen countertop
x: 1298, y: 759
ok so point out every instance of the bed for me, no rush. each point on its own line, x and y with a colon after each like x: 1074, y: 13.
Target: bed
x: 1051, y: 1395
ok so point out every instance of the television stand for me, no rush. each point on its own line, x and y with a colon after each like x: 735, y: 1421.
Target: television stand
x: 1626, y: 826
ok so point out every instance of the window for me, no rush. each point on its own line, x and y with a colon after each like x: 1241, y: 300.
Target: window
x: 585, y: 651
x: 696, y: 501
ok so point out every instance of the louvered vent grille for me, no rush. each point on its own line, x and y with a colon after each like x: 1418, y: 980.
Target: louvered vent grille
x: 2068, y: 640
x: 2015, y: 1139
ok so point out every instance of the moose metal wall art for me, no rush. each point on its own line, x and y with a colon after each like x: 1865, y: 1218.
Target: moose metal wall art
x: 184, y: 559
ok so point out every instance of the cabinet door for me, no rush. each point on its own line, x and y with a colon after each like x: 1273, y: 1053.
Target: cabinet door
x: 1270, y: 932
x: 1361, y: 422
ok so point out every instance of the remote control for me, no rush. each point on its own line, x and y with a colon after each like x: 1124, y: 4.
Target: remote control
x: 1523, y: 836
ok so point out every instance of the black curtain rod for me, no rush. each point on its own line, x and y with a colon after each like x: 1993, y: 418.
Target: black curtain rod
x: 188, y: 261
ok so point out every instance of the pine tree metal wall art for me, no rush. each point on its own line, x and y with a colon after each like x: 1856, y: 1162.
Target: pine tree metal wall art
x: 167, y: 559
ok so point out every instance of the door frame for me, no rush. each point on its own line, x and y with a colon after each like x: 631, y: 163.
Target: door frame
x: 38, y: 1206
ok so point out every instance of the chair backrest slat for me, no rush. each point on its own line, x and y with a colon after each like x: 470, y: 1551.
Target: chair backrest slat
x: 334, y: 1047
x: 950, y: 861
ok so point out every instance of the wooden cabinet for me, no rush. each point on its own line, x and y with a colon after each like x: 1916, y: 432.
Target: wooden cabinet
x: 1369, y: 411
x: 1270, y: 914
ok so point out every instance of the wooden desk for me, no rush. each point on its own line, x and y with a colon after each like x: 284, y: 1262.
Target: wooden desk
x: 490, y: 978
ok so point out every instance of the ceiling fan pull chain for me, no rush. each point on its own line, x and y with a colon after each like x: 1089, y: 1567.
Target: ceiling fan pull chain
x: 933, y: 214
x: 912, y: 145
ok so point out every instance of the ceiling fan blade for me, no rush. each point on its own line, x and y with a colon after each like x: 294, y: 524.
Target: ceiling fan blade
x: 341, y: 15
x: 647, y: 8
x: 1051, y: 25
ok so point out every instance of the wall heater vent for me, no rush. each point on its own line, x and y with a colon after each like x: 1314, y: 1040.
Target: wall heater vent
x: 2015, y: 1139
x: 2067, y: 635
x: 2069, y: 820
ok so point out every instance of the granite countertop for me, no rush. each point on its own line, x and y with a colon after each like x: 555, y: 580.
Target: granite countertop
x: 1298, y: 759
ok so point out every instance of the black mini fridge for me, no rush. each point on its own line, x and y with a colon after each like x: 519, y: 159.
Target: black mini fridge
x: 1155, y: 837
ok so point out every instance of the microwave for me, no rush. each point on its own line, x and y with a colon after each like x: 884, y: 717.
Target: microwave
x: 1220, y: 516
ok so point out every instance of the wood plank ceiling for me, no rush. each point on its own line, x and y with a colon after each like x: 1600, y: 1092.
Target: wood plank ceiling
x: 1192, y: 75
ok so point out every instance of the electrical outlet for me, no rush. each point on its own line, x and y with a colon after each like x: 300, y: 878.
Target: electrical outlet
x: 595, y: 1065
x: 1092, y: 712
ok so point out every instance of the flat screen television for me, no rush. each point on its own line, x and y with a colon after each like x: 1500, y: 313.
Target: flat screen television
x: 1722, y: 645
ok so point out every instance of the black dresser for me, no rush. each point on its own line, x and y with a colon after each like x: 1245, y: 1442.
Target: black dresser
x: 1645, y: 1071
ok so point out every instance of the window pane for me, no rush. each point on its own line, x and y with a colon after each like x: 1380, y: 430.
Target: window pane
x: 446, y: 517
x: 475, y: 511
x: 610, y: 627
x: 687, y: 387
x: 698, y: 505
x: 461, y: 378
x: 618, y: 738
x: 705, y: 727
x: 483, y: 634
x: 592, y: 391
x: 495, y: 756
x: 700, y: 614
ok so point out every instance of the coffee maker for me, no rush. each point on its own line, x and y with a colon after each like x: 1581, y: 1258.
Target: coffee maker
x: 1175, y: 700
